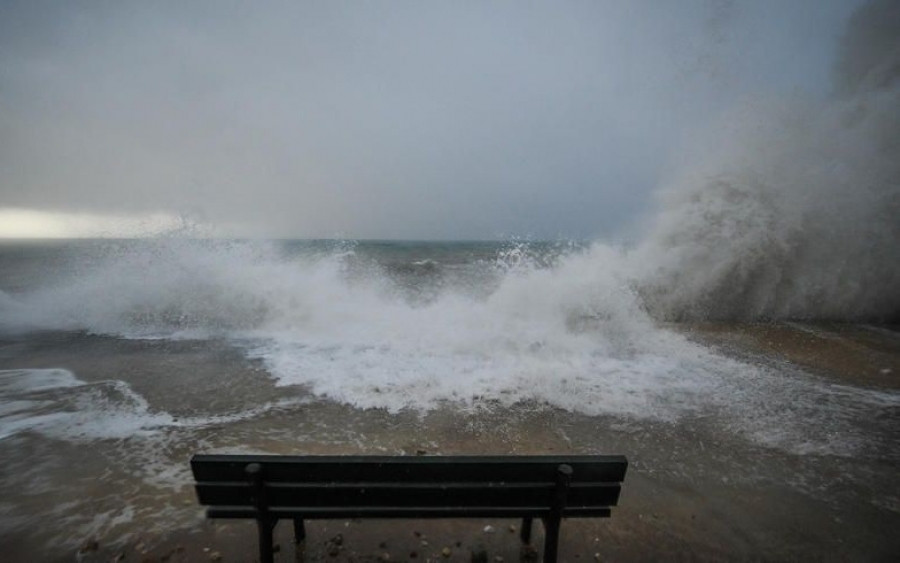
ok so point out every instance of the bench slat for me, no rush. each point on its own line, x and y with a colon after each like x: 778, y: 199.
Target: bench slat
x: 327, y: 469
x: 243, y: 512
x: 407, y: 494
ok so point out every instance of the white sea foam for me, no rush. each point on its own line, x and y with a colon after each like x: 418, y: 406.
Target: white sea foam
x: 574, y: 336
x: 55, y: 403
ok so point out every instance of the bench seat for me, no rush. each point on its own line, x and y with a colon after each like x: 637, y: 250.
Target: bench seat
x: 270, y: 488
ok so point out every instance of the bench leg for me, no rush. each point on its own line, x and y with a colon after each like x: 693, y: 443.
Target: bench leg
x: 553, y: 520
x: 299, y: 530
x: 551, y: 539
x: 525, y: 532
x: 299, y: 537
x: 265, y: 527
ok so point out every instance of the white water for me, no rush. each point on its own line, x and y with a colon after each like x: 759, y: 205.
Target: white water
x: 56, y: 403
x: 575, y: 336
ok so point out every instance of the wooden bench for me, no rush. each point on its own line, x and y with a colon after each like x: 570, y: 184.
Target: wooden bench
x: 269, y: 488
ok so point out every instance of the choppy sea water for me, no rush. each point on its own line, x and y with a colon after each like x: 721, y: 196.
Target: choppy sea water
x: 120, y: 359
x: 396, y: 326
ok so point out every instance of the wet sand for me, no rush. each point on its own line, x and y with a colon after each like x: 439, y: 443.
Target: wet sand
x: 693, y: 492
x: 865, y: 355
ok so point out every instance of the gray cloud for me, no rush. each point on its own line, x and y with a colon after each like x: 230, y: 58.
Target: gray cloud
x: 399, y: 119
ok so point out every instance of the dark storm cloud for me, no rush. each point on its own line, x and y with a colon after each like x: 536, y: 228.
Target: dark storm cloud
x: 396, y: 119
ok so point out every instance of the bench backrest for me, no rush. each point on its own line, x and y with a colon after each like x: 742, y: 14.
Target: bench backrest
x: 347, y: 486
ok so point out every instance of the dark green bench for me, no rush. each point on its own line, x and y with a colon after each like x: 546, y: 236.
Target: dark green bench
x: 270, y: 488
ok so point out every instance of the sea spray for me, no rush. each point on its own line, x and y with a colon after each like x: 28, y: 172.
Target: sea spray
x: 789, y: 212
x: 790, y: 207
x: 572, y: 334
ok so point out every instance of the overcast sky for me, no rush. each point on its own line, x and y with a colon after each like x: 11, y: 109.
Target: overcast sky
x: 448, y: 120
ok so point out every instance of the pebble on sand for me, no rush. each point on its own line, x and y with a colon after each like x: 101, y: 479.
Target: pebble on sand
x: 529, y: 553
x: 333, y: 545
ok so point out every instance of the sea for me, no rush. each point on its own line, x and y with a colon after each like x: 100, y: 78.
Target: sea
x: 119, y: 359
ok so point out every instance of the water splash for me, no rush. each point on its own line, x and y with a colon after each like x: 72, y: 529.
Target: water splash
x: 789, y: 212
